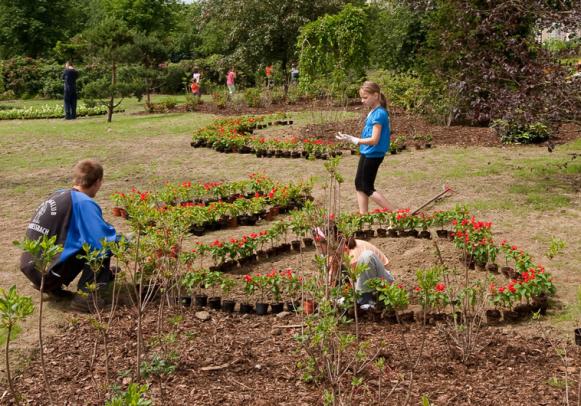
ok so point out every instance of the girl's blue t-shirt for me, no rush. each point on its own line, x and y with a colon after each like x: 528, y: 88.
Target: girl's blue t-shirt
x: 379, y: 115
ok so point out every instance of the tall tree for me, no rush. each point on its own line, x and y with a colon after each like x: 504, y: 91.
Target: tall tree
x: 111, y: 42
x: 491, y: 60
x: 32, y: 27
x: 265, y: 31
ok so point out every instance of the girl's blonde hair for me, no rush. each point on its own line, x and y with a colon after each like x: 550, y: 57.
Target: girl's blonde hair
x: 373, y: 88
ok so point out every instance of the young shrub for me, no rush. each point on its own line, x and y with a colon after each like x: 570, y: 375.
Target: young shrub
x: 13, y: 308
x: 252, y: 97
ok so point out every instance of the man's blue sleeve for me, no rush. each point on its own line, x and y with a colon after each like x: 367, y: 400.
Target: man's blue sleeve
x: 86, y: 226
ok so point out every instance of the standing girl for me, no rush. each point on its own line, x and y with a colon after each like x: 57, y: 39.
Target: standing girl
x: 231, y: 81
x: 373, y: 145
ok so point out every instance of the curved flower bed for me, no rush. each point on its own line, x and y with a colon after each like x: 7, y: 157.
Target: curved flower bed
x: 211, y: 206
x: 162, y: 218
x: 51, y: 111
x: 235, y: 135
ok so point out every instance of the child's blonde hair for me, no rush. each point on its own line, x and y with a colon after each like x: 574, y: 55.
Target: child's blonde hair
x: 373, y: 88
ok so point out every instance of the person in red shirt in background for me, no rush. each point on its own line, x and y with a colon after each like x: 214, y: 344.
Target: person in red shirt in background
x: 196, y: 89
x: 268, y: 71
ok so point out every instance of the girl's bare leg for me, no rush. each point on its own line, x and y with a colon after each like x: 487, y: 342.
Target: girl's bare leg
x: 380, y: 200
x: 363, y: 202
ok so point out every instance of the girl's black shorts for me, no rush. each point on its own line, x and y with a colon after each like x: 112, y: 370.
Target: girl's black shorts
x: 366, y: 173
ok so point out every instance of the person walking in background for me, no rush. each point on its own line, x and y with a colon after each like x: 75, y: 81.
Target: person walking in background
x: 373, y: 145
x: 70, y: 79
x: 294, y: 74
x: 196, y: 89
x: 231, y: 81
x: 268, y: 72
x: 196, y: 76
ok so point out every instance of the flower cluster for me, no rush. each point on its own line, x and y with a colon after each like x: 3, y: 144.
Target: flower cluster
x: 475, y: 239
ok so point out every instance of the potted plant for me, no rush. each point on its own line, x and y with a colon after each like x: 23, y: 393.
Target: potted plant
x: 226, y: 285
x: 393, y: 297
x: 291, y: 284
x: 424, y: 222
x: 274, y: 280
x: 194, y: 282
x: 212, y: 281
x: 249, y: 290
x: 262, y: 284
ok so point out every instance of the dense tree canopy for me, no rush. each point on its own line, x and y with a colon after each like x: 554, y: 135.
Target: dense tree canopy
x: 33, y: 27
x: 468, y: 60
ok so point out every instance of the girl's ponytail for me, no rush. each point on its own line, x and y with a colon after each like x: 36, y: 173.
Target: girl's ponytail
x: 382, y: 100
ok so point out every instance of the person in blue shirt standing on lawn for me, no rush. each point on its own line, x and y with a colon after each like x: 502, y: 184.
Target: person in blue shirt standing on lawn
x: 373, y: 145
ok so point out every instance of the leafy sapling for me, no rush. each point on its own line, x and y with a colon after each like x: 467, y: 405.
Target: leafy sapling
x: 13, y: 308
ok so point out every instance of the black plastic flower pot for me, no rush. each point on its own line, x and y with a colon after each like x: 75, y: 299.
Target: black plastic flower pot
x: 510, y: 316
x: 392, y: 233
x: 413, y: 233
x: 292, y: 306
x: 493, y: 316
x: 361, y: 235
x: 246, y: 308
x: 425, y: 234
x: 185, y: 300
x: 296, y: 245
x: 198, y: 231
x: 578, y: 336
x: 381, y: 232
x: 261, y: 309
x: 215, y: 303
x: 442, y: 233
x: 201, y: 300
x: 308, y: 241
x: 276, y: 308
x: 228, y: 305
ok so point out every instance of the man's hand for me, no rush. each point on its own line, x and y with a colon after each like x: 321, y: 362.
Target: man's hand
x: 346, y: 137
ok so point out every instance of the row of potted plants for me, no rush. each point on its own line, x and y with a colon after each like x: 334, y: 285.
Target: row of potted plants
x: 235, y: 135
x: 202, y: 217
x: 198, y: 192
x: 269, y: 290
x: 51, y: 111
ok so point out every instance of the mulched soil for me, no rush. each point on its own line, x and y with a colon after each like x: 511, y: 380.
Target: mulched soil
x: 403, y: 124
x: 407, y: 125
x: 242, y: 360
x: 235, y: 359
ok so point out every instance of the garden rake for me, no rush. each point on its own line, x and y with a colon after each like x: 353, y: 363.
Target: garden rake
x: 445, y: 193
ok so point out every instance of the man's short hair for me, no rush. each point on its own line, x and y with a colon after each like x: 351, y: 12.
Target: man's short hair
x: 87, y: 172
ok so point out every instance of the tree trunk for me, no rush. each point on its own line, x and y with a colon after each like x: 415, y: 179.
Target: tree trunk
x: 286, y: 77
x: 10, y: 383
x: 112, y: 98
x: 44, y: 374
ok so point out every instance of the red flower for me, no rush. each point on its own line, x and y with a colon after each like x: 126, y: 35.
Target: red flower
x: 332, y: 216
x: 511, y: 288
x: 440, y: 287
x: 248, y: 278
x: 418, y: 289
x: 501, y: 290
